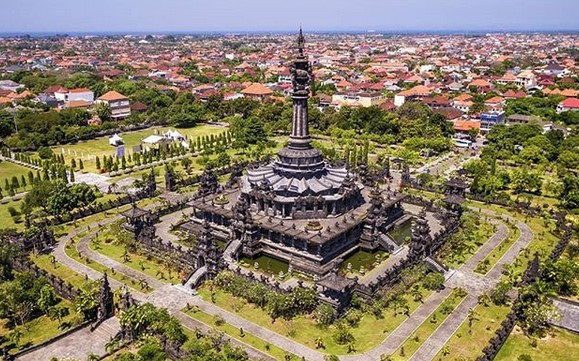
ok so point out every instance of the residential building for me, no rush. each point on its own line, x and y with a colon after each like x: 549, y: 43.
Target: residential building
x: 489, y: 119
x: 118, y: 103
x: 569, y: 104
x: 358, y: 99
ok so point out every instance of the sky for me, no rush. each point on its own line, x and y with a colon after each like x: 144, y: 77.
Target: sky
x: 157, y: 16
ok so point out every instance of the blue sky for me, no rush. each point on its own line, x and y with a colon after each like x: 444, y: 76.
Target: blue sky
x: 272, y: 15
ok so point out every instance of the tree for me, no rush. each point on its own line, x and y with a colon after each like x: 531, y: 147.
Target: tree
x: 98, y: 162
x: 433, y: 281
x: 80, y: 164
x: 103, y: 111
x: 45, y: 153
x: 58, y: 312
x: 46, y: 299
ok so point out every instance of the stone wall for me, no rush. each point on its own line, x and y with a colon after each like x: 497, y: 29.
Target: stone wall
x: 62, y: 288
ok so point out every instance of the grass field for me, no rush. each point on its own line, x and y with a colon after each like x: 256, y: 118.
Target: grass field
x: 303, y: 329
x: 6, y: 220
x: 39, y: 329
x: 247, y: 338
x: 559, y: 345
x: 9, y: 170
x: 59, y: 270
x: 71, y: 251
x: 135, y: 261
x: 100, y: 146
x: 413, y: 343
x: 468, y: 345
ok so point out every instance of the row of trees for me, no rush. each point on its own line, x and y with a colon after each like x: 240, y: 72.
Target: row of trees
x: 522, y: 159
x: 279, y: 305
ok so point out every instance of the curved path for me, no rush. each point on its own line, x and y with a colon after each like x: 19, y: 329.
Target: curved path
x: 444, y: 332
x: 175, y: 298
x: 164, y: 296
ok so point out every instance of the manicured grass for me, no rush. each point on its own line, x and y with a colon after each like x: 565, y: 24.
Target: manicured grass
x: 100, y: 147
x: 247, y: 338
x: 413, y: 343
x: 480, y: 237
x: 559, y: 345
x: 492, y: 258
x: 71, y: 251
x: 6, y: 220
x: 135, y: 261
x: 40, y: 329
x: 303, y: 329
x: 469, y: 344
x: 9, y: 170
x: 68, y: 275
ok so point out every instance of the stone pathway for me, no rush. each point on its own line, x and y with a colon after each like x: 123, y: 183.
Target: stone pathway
x: 444, y: 332
x: 397, y: 337
x: 163, y: 227
x: 78, y: 344
x: 476, y: 284
x: 569, y: 314
x: 174, y: 298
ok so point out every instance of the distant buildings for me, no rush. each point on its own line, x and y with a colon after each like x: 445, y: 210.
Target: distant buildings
x: 567, y: 105
x: 257, y: 91
x: 118, y: 103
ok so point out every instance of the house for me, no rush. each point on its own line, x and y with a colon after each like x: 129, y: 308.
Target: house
x: 464, y: 126
x: 70, y: 95
x: 449, y: 113
x: 118, y: 103
x: 10, y: 85
x: 257, y: 91
x: 358, y: 99
x: 568, y: 105
x: 417, y: 92
x: 489, y: 119
x: 436, y: 102
x: 495, y: 104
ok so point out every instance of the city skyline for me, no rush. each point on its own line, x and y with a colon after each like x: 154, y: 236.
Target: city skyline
x: 179, y: 16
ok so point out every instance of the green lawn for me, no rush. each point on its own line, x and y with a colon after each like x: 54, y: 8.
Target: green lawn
x: 100, y: 146
x: 469, y: 344
x: 492, y: 258
x: 40, y: 329
x: 559, y: 345
x: 9, y: 170
x: 413, y: 343
x: 71, y: 251
x: 68, y: 275
x: 247, y: 338
x: 303, y: 329
x: 135, y: 261
x: 6, y: 221
x: 480, y: 237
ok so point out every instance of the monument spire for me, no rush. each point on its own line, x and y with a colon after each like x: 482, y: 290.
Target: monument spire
x: 301, y: 72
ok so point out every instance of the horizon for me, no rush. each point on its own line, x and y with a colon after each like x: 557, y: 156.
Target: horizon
x: 258, y: 16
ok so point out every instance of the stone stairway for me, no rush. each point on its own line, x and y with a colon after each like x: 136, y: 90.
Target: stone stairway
x: 107, y: 329
x: 78, y: 344
x: 232, y: 250
x: 387, y: 242
x: 193, y: 281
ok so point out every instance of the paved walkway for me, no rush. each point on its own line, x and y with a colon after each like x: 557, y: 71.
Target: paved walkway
x: 444, y: 332
x: 163, y: 227
x: 569, y: 314
x: 78, y: 344
x: 475, y: 284
x: 174, y: 298
x: 397, y: 337
x: 164, y: 295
